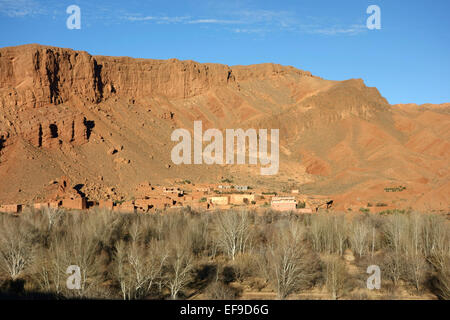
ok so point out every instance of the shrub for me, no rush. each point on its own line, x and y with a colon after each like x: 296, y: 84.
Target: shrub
x: 220, y: 291
x: 381, y: 204
x: 301, y: 205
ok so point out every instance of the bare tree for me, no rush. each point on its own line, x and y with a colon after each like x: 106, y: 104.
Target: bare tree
x: 395, y: 230
x: 442, y: 280
x: 359, y: 237
x: 16, y: 250
x: 180, y: 265
x: 288, y: 265
x: 339, y: 233
x: 436, y: 247
x: 137, y: 266
x: 52, y: 215
x: 198, y: 235
x: 416, y: 266
x: 50, y: 269
x: 415, y: 270
x: 122, y: 271
x: 328, y: 234
x: 318, y: 232
x: 372, y: 241
x: 335, y: 276
x: 436, y: 240
x: 233, y: 232
x: 80, y: 247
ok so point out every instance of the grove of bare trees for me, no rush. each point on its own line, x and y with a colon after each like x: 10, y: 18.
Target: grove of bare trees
x: 221, y: 255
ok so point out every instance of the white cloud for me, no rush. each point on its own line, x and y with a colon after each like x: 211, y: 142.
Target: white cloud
x: 250, y: 30
x: 183, y: 19
x: 163, y: 19
x: 214, y: 21
x: 140, y: 18
x: 335, y: 30
x: 20, y: 8
x: 260, y: 22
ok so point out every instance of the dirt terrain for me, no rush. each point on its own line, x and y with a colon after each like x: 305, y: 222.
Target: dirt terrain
x: 105, y: 123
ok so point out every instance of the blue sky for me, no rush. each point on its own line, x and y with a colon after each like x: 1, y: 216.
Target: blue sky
x: 408, y: 60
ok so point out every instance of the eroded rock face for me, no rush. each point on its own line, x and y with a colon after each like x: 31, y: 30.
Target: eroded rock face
x: 43, y: 89
x: 171, y: 78
x: 50, y: 127
x: 45, y: 127
x: 266, y: 71
x: 33, y: 76
x: 34, y: 79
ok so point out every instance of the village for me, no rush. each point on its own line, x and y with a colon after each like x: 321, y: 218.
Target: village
x: 150, y: 198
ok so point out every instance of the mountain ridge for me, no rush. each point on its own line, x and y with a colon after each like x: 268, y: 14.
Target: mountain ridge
x: 336, y: 137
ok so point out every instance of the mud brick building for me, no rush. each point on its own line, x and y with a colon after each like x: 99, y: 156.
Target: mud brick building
x: 11, y: 208
x: 242, y: 198
x: 127, y: 206
x: 106, y: 204
x: 75, y: 202
x: 204, y: 189
x: 55, y: 204
x: 284, y: 203
x: 219, y: 201
x: 304, y: 210
x: 173, y: 191
x: 41, y: 205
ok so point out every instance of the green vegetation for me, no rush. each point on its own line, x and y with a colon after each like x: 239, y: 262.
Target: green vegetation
x: 394, y: 211
x: 364, y: 210
x: 301, y: 205
x: 395, y: 189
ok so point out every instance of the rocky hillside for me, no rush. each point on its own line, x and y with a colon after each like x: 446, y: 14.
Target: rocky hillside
x: 105, y: 122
